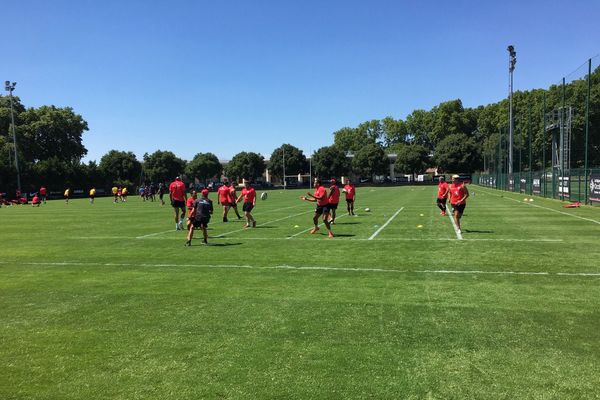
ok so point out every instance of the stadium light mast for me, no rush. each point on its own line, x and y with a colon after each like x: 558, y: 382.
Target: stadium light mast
x: 10, y: 87
x: 512, y: 60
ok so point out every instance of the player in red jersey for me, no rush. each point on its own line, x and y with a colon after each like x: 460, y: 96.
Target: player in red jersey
x: 320, y: 197
x: 224, y: 199
x: 350, y: 192
x: 442, y: 194
x: 249, y: 195
x: 233, y: 199
x: 189, y: 203
x: 458, y: 199
x: 178, y: 198
x: 333, y: 199
x: 36, y: 200
x: 43, y: 193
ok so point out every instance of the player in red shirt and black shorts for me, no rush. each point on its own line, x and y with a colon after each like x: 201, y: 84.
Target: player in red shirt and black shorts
x: 442, y: 195
x: 350, y: 192
x: 43, y: 192
x: 249, y: 195
x: 458, y: 199
x: 189, y: 203
x: 178, y: 198
x: 334, y: 199
x: 224, y: 199
x: 233, y: 199
x: 320, y: 197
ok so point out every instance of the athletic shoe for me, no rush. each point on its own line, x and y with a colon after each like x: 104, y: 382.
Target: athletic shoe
x: 443, y: 213
x: 330, y: 234
x: 188, y: 243
x: 314, y: 230
x: 459, y: 231
x: 254, y: 224
x: 224, y: 219
x: 204, y: 242
x: 246, y: 226
x: 177, y: 228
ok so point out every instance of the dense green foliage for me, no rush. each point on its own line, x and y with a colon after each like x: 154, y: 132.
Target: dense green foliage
x: 245, y: 165
x: 295, y: 161
x: 162, y: 166
x: 329, y: 162
x: 204, y: 167
x: 103, y: 301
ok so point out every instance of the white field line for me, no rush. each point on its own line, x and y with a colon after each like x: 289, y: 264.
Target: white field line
x: 545, y: 208
x: 386, y: 224
x: 171, y: 230
x: 539, y: 240
x: 315, y: 268
x: 306, y: 230
x: 451, y: 216
x: 263, y: 224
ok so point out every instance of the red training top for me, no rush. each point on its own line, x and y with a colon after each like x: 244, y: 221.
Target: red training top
x: 350, y: 191
x: 43, y: 191
x: 321, y: 192
x: 457, y: 192
x: 249, y: 195
x: 190, y: 205
x: 334, y: 198
x: 177, y: 189
x: 442, y: 189
x: 224, y: 195
x: 35, y: 200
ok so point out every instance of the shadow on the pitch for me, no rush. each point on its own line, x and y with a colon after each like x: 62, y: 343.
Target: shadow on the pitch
x: 476, y: 231
x: 342, y: 235
x: 222, y: 244
x: 347, y: 223
x: 264, y: 227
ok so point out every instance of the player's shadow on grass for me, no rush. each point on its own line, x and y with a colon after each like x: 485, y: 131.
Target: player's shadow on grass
x: 264, y: 227
x: 476, y: 231
x: 347, y: 223
x: 340, y: 234
x: 223, y: 244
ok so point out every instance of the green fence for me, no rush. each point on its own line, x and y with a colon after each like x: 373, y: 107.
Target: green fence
x: 578, y: 184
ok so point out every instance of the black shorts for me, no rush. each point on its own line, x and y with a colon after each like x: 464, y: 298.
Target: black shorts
x: 248, y: 207
x: 92, y: 196
x: 226, y: 204
x: 201, y: 223
x: 332, y: 206
x: 442, y: 201
x: 459, y: 207
x: 322, y: 209
x: 178, y: 204
x: 349, y: 201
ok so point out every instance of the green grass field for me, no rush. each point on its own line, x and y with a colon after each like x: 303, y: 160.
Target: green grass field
x: 104, y: 301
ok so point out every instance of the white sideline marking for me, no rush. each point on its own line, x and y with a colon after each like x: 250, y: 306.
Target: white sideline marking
x: 386, y: 224
x: 543, y: 240
x: 306, y: 230
x: 171, y: 230
x: 542, y: 207
x: 263, y: 224
x: 315, y: 268
x: 451, y: 216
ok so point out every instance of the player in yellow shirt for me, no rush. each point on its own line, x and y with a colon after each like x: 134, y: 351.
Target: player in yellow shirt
x: 92, y: 195
x: 115, y: 192
x: 67, y: 194
x: 124, y: 194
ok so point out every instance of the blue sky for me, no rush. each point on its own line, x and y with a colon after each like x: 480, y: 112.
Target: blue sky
x: 231, y: 76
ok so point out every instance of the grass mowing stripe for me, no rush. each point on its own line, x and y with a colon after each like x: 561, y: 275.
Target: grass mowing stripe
x: 451, y: 216
x: 540, y: 240
x: 264, y: 223
x: 314, y: 268
x: 544, y: 208
x: 386, y: 224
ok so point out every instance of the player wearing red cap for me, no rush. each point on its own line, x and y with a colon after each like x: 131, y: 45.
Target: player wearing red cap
x: 249, y: 196
x: 320, y: 197
x: 178, y: 198
x: 334, y: 199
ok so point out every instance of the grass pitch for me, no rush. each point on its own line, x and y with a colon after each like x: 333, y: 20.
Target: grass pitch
x: 104, y: 301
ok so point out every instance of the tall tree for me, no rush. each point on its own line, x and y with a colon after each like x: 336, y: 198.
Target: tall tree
x: 458, y: 153
x: 329, y: 162
x: 162, y: 166
x: 245, y: 165
x: 370, y: 160
x: 410, y: 158
x: 349, y: 139
x: 394, y: 131
x: 204, y: 166
x: 120, y: 167
x: 295, y: 161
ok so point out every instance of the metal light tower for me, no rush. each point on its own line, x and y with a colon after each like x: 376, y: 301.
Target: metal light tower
x: 512, y: 60
x: 283, y: 155
x: 9, y: 88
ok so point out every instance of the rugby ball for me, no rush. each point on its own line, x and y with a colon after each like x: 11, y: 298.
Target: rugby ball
x: 367, y: 209
x: 263, y: 196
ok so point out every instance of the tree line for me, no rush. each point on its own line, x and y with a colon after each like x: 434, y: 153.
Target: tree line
x: 449, y: 136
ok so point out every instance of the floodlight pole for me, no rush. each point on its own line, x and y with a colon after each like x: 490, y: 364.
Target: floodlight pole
x: 283, y: 153
x: 310, y: 172
x: 512, y: 60
x: 9, y: 88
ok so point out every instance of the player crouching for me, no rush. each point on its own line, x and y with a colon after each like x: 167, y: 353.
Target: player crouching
x: 200, y: 217
x: 321, y: 198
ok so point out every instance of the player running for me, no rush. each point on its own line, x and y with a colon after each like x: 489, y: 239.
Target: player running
x: 233, y: 199
x: 458, y: 199
x: 321, y: 198
x: 442, y: 195
x: 200, y: 217
x: 333, y: 199
x: 350, y: 192
x: 92, y: 195
x: 178, y: 197
x: 224, y: 199
x: 43, y: 193
x: 67, y: 194
x: 249, y: 195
